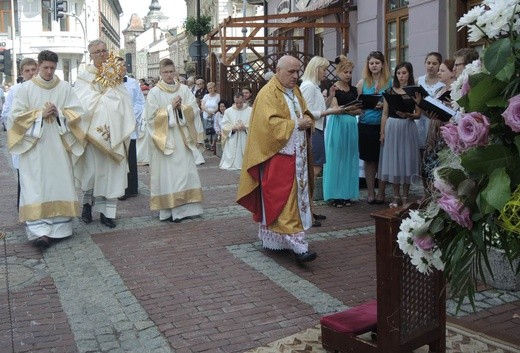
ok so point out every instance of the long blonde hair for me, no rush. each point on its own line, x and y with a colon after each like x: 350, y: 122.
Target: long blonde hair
x: 385, y: 72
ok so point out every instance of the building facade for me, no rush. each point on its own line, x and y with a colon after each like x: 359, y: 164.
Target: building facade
x: 35, y: 31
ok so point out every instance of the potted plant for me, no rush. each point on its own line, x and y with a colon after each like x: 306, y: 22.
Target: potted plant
x: 476, y: 201
x: 197, y: 27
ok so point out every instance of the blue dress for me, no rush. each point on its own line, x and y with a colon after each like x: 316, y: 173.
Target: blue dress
x: 341, y: 172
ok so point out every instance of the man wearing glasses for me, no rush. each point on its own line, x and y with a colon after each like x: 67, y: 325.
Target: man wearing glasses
x: 109, y: 122
x: 463, y: 57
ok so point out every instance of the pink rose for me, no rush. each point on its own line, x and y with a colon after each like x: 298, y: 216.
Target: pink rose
x: 443, y: 186
x: 424, y: 242
x: 473, y: 130
x: 456, y: 210
x: 512, y: 114
x: 450, y: 134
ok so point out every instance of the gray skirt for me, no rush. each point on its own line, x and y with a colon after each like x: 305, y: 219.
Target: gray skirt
x: 399, y: 159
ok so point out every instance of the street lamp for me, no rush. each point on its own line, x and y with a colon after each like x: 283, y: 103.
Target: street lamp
x: 85, y: 49
x: 244, y: 30
x: 199, y: 47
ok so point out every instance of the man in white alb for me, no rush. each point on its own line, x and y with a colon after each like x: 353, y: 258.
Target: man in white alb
x: 171, y: 114
x: 109, y: 121
x: 235, y: 124
x: 44, y: 131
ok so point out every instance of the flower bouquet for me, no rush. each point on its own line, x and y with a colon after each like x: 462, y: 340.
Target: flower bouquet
x: 475, y: 203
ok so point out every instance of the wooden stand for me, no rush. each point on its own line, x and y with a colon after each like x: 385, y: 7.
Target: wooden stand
x: 411, y: 306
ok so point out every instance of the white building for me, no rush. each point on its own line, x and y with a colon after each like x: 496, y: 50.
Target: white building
x: 36, y: 31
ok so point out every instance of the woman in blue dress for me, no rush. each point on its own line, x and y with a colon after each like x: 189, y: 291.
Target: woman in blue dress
x: 341, y: 172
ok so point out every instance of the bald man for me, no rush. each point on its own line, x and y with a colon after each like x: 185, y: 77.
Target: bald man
x: 276, y: 176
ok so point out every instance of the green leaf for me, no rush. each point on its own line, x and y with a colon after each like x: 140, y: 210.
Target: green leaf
x: 496, y: 55
x: 486, y: 159
x: 507, y: 71
x: 465, y: 187
x: 499, y: 101
x: 436, y: 225
x: 478, y: 236
x: 484, y: 207
x: 517, y: 142
x: 498, y: 190
x: 485, y: 90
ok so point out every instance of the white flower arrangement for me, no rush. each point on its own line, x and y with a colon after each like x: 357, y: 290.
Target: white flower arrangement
x: 415, y: 241
x: 460, y: 87
x: 490, y: 20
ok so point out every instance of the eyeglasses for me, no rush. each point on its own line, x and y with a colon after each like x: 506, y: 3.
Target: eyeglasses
x: 99, y: 52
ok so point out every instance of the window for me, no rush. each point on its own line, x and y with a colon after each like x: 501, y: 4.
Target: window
x: 462, y: 35
x: 396, y: 24
x: 5, y: 15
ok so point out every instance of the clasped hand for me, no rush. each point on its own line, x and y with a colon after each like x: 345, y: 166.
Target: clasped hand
x: 305, y: 123
x: 49, y: 110
x: 176, y: 102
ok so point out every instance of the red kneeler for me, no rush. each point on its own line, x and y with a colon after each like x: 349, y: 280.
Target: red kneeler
x: 337, y: 328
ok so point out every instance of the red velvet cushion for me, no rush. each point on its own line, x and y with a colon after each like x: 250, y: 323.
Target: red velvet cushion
x: 354, y: 321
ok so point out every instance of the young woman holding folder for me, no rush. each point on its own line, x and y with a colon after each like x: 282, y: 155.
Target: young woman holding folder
x: 375, y: 79
x: 399, y: 160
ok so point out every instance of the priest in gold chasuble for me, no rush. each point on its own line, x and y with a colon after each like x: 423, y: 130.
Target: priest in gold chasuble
x: 276, y: 176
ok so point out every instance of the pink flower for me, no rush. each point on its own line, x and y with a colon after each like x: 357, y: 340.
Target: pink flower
x: 512, y: 114
x: 455, y: 210
x: 473, y: 130
x: 443, y: 186
x: 450, y: 134
x: 424, y: 242
x: 465, y: 88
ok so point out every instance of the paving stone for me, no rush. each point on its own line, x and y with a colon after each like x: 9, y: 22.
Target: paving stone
x: 206, y: 284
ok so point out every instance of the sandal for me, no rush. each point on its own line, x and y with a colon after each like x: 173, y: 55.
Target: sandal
x: 396, y: 202
x: 337, y: 203
x: 346, y: 203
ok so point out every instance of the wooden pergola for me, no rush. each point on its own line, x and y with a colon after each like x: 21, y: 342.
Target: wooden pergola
x: 232, y: 46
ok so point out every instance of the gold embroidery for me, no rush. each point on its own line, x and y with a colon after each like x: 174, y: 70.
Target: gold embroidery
x: 104, y: 130
x: 49, y: 209
x: 176, y: 199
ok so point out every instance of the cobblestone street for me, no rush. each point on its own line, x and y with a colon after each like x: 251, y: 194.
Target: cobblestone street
x: 202, y: 285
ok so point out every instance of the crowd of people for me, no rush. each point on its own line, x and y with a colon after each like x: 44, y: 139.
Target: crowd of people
x: 94, y: 134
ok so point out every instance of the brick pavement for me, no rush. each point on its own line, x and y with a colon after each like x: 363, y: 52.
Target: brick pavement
x: 203, y: 285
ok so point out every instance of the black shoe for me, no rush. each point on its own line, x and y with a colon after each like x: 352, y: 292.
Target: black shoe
x: 125, y: 197
x: 109, y: 222
x: 43, y: 242
x: 305, y: 257
x: 86, y: 215
x: 319, y: 217
x: 316, y: 224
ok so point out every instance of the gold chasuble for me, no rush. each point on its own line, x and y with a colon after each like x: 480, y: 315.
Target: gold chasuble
x: 271, y: 183
x: 175, y: 188
x: 45, y: 147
